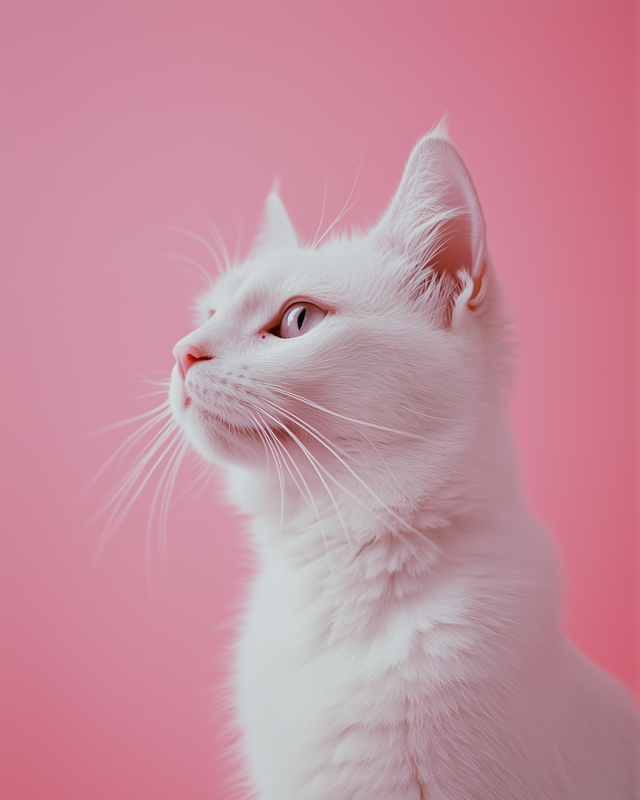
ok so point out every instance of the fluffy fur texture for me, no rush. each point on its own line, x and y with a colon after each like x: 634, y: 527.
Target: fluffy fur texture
x: 402, y: 639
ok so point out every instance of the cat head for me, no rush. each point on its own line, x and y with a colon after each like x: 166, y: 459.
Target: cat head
x: 364, y: 365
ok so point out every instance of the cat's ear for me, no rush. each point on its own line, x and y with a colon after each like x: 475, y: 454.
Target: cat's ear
x: 435, y: 223
x: 276, y: 231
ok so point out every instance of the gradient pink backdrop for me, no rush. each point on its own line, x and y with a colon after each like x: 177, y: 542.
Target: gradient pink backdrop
x: 120, y: 119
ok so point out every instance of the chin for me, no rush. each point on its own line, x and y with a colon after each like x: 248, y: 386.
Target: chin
x: 214, y: 438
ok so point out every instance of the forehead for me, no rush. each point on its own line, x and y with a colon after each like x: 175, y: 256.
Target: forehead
x: 272, y: 279
x: 251, y: 279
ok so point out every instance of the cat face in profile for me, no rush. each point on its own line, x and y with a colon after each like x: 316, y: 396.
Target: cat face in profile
x: 361, y: 365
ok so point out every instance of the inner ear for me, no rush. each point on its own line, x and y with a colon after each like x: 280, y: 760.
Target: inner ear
x: 453, y: 251
x: 435, y: 220
x: 461, y: 237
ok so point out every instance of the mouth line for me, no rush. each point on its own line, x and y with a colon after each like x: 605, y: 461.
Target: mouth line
x: 236, y: 429
x: 230, y: 427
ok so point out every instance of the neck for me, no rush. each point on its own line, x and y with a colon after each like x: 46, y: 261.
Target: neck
x: 369, y: 563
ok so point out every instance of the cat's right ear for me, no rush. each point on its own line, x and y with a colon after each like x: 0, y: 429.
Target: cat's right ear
x: 435, y: 225
x: 276, y: 231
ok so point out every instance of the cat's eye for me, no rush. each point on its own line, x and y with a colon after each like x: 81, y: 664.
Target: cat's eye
x: 299, y: 318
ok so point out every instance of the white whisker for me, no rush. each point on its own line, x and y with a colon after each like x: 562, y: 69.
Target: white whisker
x: 286, y: 453
x: 161, y: 411
x: 152, y: 508
x: 126, y: 446
x: 267, y: 444
x: 222, y: 247
x: 306, y: 486
x: 143, y: 458
x: 346, y: 207
x: 203, y: 241
x: 310, y: 429
x: 153, y: 394
x: 121, y: 508
x: 166, y: 500
x: 313, y: 463
x: 342, y: 416
x: 356, y: 476
x: 324, y: 203
x: 200, y: 270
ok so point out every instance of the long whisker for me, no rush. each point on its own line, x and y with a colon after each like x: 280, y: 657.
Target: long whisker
x: 141, y: 462
x: 337, y: 220
x: 153, y: 394
x: 126, y: 446
x: 331, y: 445
x: 152, y: 508
x: 166, y: 382
x: 201, y: 271
x: 166, y: 500
x: 168, y: 474
x: 267, y: 444
x: 306, y: 424
x: 342, y: 416
x: 355, y: 475
x: 309, y: 428
x: 286, y: 455
x: 202, y: 241
x: 324, y: 203
x: 276, y: 442
x: 222, y: 247
x: 295, y: 418
x: 306, y: 486
x: 122, y: 509
x: 313, y: 463
x: 346, y: 207
x: 142, y: 431
x: 164, y: 408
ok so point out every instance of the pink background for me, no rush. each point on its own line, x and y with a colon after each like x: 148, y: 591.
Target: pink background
x: 120, y: 119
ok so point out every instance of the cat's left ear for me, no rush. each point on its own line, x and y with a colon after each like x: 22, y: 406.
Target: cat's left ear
x: 276, y: 231
x: 435, y: 221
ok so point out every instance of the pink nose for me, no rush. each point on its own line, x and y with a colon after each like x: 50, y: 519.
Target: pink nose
x: 186, y: 356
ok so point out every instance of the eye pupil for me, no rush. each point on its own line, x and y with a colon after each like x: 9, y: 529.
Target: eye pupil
x: 299, y: 318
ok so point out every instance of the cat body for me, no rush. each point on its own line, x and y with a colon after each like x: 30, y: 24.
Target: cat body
x: 460, y: 687
x: 402, y: 637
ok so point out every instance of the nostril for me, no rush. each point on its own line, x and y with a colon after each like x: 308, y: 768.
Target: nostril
x: 186, y: 356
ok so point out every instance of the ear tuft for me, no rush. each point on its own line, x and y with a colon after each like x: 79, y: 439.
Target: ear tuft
x: 435, y: 222
x: 276, y: 231
x: 440, y: 130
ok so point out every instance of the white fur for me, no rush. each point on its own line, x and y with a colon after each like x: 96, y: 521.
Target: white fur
x: 402, y: 639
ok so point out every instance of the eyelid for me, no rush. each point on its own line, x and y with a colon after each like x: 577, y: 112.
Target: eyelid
x: 275, y: 321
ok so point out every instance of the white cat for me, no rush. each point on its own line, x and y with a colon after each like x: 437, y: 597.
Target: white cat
x: 402, y: 639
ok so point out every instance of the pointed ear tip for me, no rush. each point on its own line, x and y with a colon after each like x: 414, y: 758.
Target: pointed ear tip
x: 437, y: 142
x: 275, y: 187
x: 440, y: 130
